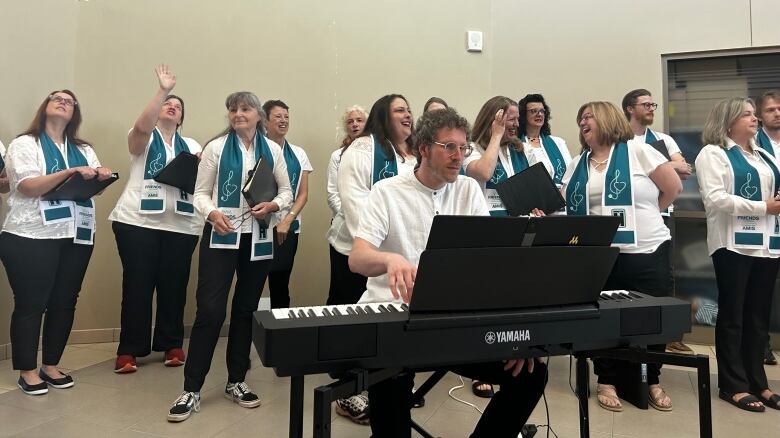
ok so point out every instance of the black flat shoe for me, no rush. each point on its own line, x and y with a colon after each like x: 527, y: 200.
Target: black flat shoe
x: 61, y: 383
x: 773, y: 401
x: 743, y: 403
x: 38, y: 389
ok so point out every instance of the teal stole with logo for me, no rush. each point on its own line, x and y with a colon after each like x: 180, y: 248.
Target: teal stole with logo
x: 153, y: 197
x: 617, y: 198
x: 230, y: 179
x: 519, y: 163
x: 383, y: 166
x: 52, y: 212
x: 294, y: 173
x: 753, y: 232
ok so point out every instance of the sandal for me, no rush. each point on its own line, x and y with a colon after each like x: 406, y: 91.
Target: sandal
x: 773, y: 401
x: 484, y: 393
x: 608, y: 393
x: 656, y: 398
x: 744, y: 402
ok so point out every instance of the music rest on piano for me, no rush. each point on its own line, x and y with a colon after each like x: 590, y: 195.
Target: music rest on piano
x: 311, y: 340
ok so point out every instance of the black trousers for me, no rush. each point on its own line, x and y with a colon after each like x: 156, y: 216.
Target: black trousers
x: 745, y: 288
x: 281, y: 268
x: 216, y: 269
x: 505, y: 414
x: 152, y: 259
x: 45, y: 276
x: 650, y: 274
x: 346, y: 287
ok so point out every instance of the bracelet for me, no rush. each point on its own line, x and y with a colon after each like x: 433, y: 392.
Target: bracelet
x: 293, y: 213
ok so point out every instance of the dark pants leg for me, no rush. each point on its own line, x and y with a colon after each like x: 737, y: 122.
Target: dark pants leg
x: 346, y: 287
x: 216, y: 268
x: 281, y: 268
x: 647, y: 273
x: 745, y: 287
x: 45, y: 276
x: 172, y: 278
x: 504, y: 416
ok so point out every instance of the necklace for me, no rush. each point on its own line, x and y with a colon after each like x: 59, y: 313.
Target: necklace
x: 532, y: 139
x: 597, y: 163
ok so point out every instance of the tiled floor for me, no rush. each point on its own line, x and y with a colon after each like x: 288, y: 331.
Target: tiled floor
x: 103, y: 404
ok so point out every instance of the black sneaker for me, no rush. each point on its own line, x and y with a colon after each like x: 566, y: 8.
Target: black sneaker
x: 355, y: 408
x: 37, y: 389
x: 61, y: 383
x: 183, y: 406
x: 241, y: 394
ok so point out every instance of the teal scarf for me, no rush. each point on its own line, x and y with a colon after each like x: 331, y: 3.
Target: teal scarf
x: 617, y: 197
x: 649, y: 136
x: 747, y: 184
x: 384, y: 167
x: 765, y: 142
x: 519, y: 162
x: 294, y: 173
x: 556, y: 158
x: 153, y: 196
x: 230, y: 178
x: 57, y: 211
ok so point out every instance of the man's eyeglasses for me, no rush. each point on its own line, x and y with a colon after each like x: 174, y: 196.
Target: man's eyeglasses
x: 58, y: 99
x: 535, y: 111
x: 452, y: 148
x: 648, y: 105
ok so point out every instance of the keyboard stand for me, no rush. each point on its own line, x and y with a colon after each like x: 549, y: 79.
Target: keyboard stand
x: 641, y: 355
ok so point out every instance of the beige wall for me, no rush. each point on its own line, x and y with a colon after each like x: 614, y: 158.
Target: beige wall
x: 321, y: 57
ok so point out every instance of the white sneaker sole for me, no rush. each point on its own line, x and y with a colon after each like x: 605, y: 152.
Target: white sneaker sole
x: 243, y: 404
x: 67, y: 385
x: 178, y: 418
x: 35, y: 392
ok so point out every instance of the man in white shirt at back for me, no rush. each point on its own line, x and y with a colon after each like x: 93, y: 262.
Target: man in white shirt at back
x: 391, y: 236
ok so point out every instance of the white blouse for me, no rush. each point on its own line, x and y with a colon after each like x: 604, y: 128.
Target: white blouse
x: 334, y: 202
x: 651, y: 231
x: 303, y: 159
x: 716, y: 184
x: 25, y: 160
x: 127, y: 209
x: 206, y: 184
x: 354, y: 184
x: 539, y: 154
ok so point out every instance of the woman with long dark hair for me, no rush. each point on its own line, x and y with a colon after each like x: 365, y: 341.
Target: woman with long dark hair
x: 538, y: 142
x: 46, y: 245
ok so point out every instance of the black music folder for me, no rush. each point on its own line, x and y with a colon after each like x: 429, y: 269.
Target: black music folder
x: 660, y: 146
x: 76, y: 188
x: 181, y: 172
x: 260, y: 187
x: 529, y: 189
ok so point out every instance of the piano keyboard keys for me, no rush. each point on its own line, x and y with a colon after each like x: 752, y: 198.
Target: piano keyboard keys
x: 338, y: 310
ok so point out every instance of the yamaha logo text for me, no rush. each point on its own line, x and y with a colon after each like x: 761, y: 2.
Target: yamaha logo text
x: 502, y: 337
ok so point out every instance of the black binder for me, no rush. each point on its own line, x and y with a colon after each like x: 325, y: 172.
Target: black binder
x: 76, y: 188
x: 260, y: 187
x: 529, y: 189
x: 181, y: 172
x: 660, y: 146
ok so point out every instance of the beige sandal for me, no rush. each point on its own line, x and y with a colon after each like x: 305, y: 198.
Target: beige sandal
x: 656, y: 398
x: 608, y: 398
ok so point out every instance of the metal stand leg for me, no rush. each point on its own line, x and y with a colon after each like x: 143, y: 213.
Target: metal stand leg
x: 583, y: 381
x: 322, y: 400
x: 296, y: 407
x: 705, y: 410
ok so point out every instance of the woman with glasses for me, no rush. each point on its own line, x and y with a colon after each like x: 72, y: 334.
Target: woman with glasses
x: 739, y: 184
x: 613, y: 176
x: 156, y: 229
x: 234, y: 242
x: 539, y: 145
x: 46, y: 245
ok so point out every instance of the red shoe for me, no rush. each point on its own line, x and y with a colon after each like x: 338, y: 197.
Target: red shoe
x: 125, y: 364
x: 174, y: 357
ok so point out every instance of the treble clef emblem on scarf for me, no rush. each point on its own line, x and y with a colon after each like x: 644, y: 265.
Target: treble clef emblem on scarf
x: 55, y: 167
x: 155, y: 165
x: 385, y: 173
x: 576, y: 198
x: 227, y: 188
x: 559, y: 169
x: 746, y: 190
x: 497, y: 175
x: 616, y: 186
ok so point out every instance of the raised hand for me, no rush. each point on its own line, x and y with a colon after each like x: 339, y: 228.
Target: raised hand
x: 499, y: 125
x: 166, y: 77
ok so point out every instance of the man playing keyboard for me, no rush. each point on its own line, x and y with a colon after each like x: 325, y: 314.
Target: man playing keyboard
x: 392, y: 234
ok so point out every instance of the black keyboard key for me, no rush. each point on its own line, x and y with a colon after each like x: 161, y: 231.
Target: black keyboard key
x: 405, y: 307
x: 368, y: 310
x: 336, y: 312
x: 292, y: 314
x: 311, y: 313
x: 391, y: 308
x: 301, y: 314
x: 326, y: 312
x: 351, y: 311
x: 382, y: 308
x: 360, y: 310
